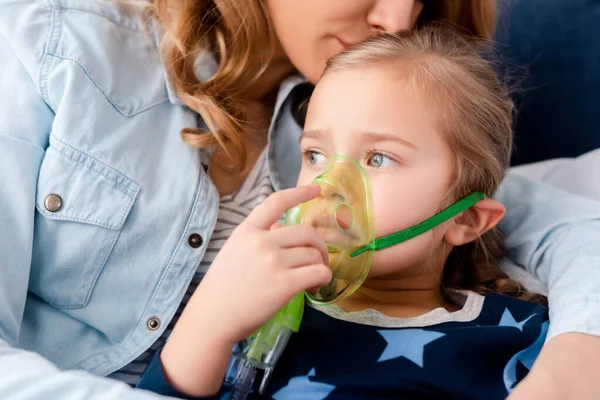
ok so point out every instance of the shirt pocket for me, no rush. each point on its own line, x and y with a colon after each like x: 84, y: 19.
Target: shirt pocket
x: 82, y: 205
x: 126, y: 68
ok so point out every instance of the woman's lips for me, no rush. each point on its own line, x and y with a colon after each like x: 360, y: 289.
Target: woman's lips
x: 347, y: 43
x: 344, y: 44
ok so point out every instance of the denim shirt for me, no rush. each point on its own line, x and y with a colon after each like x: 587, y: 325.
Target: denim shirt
x: 105, y: 213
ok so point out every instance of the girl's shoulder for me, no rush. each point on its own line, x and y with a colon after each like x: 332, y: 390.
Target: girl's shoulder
x: 508, y: 311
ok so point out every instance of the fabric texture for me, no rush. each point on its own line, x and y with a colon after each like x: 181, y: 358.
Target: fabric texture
x: 480, y: 352
x: 549, y: 50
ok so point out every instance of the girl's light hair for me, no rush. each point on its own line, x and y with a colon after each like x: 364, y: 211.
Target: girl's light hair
x: 473, y: 110
x: 240, y: 35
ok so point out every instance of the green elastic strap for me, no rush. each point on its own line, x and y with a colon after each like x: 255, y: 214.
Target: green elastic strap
x: 409, y: 233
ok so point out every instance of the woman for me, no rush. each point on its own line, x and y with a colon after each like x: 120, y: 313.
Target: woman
x: 108, y: 215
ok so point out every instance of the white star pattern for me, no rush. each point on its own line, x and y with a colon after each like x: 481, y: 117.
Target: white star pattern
x: 407, y: 343
x: 508, y: 320
x: 302, y: 388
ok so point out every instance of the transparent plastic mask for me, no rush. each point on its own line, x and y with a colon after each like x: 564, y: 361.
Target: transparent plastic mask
x: 342, y: 214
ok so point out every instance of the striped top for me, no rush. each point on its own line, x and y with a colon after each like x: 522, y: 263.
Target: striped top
x: 233, y: 209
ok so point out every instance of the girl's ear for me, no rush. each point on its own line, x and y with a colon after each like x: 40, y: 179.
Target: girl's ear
x: 475, y: 221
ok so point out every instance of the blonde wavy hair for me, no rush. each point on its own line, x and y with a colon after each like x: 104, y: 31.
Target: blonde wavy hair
x: 474, y: 111
x: 240, y: 36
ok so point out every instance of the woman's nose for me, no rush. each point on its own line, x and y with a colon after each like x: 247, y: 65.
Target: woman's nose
x: 392, y: 16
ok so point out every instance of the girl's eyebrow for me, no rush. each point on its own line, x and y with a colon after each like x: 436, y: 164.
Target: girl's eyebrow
x: 385, y: 137
x: 372, y: 137
x: 312, y: 134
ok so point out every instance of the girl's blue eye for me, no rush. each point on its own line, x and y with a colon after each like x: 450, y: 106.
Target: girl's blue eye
x: 378, y: 160
x: 315, y: 158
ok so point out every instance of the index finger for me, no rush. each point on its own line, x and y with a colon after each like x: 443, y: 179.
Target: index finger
x: 271, y: 210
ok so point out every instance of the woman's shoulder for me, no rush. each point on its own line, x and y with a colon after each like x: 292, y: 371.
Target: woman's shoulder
x: 103, y: 26
x: 123, y: 13
x: 54, y: 22
x: 106, y: 40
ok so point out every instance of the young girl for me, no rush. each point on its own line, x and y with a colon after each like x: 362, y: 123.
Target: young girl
x: 427, y: 119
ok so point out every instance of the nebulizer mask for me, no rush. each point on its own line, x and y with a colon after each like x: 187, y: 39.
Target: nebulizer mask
x: 343, y: 215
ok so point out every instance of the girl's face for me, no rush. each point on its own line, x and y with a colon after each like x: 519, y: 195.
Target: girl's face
x: 312, y: 31
x: 374, y: 117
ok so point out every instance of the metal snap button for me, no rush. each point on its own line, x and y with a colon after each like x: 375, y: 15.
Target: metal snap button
x: 153, y: 323
x: 195, y: 240
x: 53, y: 203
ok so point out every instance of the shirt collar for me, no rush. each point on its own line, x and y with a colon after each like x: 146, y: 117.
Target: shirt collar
x: 206, y: 63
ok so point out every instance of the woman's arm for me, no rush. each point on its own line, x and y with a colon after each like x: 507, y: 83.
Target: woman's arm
x: 555, y: 235
x: 28, y: 376
x: 567, y: 368
x: 25, y: 124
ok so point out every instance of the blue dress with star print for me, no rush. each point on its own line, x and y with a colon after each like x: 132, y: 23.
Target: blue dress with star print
x: 479, y: 359
x: 482, y: 353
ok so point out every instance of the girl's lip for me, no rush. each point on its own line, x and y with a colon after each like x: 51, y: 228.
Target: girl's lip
x: 326, y: 222
x: 336, y: 238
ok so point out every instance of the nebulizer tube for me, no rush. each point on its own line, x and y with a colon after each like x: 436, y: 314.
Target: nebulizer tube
x: 342, y: 214
x: 264, y: 348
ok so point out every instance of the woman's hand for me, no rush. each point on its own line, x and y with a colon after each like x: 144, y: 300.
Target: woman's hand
x: 568, y: 367
x: 256, y: 273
